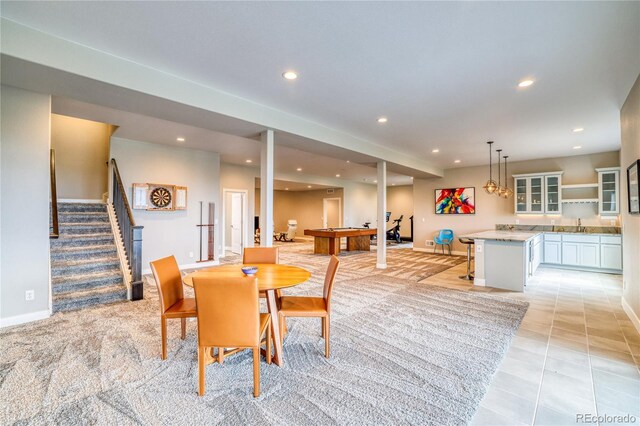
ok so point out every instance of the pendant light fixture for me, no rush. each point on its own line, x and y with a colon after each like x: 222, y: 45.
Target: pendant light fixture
x: 506, y: 191
x: 491, y: 186
x: 499, y: 187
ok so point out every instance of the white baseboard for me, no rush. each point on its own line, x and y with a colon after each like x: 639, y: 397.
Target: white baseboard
x: 80, y: 200
x: 21, y: 319
x: 189, y: 266
x: 632, y: 315
x: 480, y: 282
x: 430, y: 250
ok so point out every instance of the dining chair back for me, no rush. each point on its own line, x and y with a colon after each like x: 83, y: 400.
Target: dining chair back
x: 173, y: 304
x: 260, y: 255
x: 229, y: 311
x: 329, y: 278
x: 229, y: 317
x: 444, y: 238
x: 168, y: 281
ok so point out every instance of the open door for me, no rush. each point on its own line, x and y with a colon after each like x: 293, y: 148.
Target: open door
x: 331, y: 213
x: 237, y: 213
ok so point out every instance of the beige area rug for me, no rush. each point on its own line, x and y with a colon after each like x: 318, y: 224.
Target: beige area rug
x: 402, y: 352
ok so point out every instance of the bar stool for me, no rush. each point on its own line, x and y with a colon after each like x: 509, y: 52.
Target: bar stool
x: 469, y: 243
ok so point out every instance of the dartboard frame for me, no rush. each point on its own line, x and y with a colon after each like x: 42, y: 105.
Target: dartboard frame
x: 143, y: 193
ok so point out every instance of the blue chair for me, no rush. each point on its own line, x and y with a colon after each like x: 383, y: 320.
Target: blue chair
x: 444, y: 238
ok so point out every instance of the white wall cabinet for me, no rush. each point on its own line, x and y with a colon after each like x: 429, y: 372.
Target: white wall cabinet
x: 610, y: 256
x: 538, y: 193
x: 553, y: 252
x: 609, y: 190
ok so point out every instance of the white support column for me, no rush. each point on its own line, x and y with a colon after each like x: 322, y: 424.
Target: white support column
x: 382, y: 214
x: 266, y: 189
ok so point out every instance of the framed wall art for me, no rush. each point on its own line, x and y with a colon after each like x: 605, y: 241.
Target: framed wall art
x: 633, y: 192
x: 456, y: 200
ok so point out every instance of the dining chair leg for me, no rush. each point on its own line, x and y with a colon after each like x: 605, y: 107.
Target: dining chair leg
x: 282, y: 322
x: 269, y: 344
x: 163, y: 334
x: 326, y: 336
x: 201, y: 378
x: 322, y: 319
x: 183, y: 328
x: 256, y: 372
x: 220, y: 355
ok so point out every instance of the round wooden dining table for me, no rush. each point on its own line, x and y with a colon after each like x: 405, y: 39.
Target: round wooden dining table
x: 271, y: 277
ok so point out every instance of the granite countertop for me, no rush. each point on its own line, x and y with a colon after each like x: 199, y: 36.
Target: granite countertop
x: 502, y: 235
x: 562, y: 229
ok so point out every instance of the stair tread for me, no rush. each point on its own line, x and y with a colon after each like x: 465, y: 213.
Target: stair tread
x: 85, y: 236
x: 92, y: 260
x: 91, y: 292
x: 107, y: 273
x: 67, y: 249
x: 101, y: 224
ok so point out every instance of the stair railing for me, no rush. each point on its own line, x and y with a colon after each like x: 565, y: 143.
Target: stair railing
x: 131, y: 233
x: 54, y: 232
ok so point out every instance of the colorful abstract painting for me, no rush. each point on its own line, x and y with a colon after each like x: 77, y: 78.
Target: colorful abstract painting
x: 456, y: 201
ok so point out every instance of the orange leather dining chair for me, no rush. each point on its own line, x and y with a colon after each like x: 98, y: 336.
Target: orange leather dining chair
x: 261, y: 255
x: 173, y: 304
x: 297, y: 306
x: 229, y: 316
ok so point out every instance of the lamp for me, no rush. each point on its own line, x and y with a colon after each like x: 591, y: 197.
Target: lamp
x: 505, y: 192
x: 491, y: 186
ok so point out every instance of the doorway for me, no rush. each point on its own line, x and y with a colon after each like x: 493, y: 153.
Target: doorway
x: 331, y: 208
x: 234, y: 220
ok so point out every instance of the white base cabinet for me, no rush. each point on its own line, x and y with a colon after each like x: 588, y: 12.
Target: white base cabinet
x: 584, y: 251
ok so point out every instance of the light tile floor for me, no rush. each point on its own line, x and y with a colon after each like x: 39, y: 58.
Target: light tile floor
x: 576, y: 352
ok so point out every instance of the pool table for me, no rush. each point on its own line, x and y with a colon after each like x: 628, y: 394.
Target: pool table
x: 327, y: 241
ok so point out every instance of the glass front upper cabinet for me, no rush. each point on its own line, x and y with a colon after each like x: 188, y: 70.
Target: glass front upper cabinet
x: 609, y: 190
x: 553, y: 199
x: 536, y: 195
x: 521, y: 195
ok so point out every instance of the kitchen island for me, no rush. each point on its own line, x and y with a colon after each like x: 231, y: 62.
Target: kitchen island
x: 506, y: 259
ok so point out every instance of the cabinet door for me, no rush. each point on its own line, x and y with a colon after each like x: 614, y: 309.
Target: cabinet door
x: 521, y: 195
x: 537, y: 197
x: 609, y: 192
x: 552, y: 190
x: 552, y: 252
x: 611, y: 256
x: 570, y: 254
x: 590, y: 255
x: 537, y: 255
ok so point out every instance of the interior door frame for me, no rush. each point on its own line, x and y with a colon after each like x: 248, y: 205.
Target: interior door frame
x: 324, y: 210
x: 245, y: 217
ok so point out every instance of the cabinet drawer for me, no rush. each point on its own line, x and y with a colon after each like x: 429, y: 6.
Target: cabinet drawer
x: 595, y: 239
x: 552, y: 237
x: 613, y: 239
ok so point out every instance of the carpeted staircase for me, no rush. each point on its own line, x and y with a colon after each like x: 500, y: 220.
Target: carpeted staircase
x: 85, y: 269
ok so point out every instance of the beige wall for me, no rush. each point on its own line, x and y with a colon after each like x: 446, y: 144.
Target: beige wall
x: 400, y: 202
x: 303, y: 206
x: 491, y: 210
x: 171, y: 232
x: 630, y: 152
x: 24, y: 205
x: 82, y: 153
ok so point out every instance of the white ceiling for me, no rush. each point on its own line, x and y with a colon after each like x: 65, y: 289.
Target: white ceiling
x: 445, y: 73
x: 232, y: 149
x: 283, y: 185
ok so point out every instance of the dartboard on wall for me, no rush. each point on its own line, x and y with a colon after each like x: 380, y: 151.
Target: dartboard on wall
x: 160, y: 197
x: 152, y: 196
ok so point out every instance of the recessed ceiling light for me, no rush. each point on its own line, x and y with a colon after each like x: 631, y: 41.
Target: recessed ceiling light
x: 308, y: 186
x: 383, y: 120
x: 525, y: 83
x: 577, y: 147
x: 181, y: 139
x: 435, y: 151
x: 337, y: 175
x: 375, y: 181
x: 578, y: 129
x: 299, y: 169
x: 290, y: 75
x: 286, y: 189
x: 393, y: 184
x: 456, y: 161
x: 248, y: 161
x: 348, y: 161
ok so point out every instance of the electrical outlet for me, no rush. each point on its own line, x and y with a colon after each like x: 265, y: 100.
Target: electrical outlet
x: 429, y: 243
x: 478, y: 249
x: 423, y: 220
x: 29, y: 295
x: 553, y: 222
x: 191, y: 254
x: 517, y: 221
